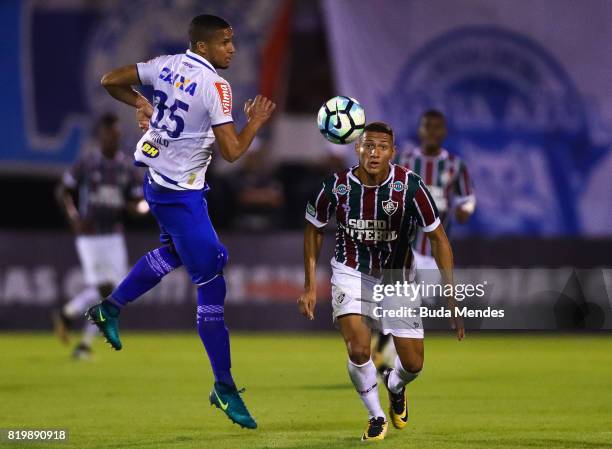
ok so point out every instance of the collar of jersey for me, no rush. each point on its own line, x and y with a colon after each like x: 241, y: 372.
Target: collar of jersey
x: 356, y: 179
x: 199, y: 59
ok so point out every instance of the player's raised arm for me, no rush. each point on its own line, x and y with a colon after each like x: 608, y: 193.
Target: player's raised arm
x: 313, y: 239
x: 232, y: 145
x: 118, y: 83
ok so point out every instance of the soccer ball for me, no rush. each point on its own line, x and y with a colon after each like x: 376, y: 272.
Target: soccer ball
x: 341, y: 119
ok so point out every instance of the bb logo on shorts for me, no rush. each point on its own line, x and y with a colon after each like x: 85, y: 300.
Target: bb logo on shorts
x: 340, y: 297
x: 149, y: 150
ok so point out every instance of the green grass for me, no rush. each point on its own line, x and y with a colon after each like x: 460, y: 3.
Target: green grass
x: 502, y: 391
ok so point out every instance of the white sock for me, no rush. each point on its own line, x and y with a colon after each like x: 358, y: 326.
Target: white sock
x: 81, y: 302
x: 364, y: 379
x: 399, y: 377
x: 90, y: 331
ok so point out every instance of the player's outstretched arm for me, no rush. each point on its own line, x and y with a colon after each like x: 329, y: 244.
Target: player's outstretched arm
x: 313, y: 239
x: 232, y: 145
x: 118, y: 83
x: 442, y: 252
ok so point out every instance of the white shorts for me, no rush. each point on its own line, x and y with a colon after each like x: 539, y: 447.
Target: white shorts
x: 424, y: 262
x: 103, y: 258
x: 427, y: 272
x: 352, y: 294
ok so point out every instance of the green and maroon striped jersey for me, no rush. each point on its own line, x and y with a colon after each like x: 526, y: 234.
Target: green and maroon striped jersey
x: 376, y: 224
x: 448, y: 181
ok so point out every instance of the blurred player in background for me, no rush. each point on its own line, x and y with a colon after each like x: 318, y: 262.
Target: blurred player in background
x: 193, y: 108
x: 445, y: 175
x: 447, y: 179
x: 94, y: 194
x: 377, y: 206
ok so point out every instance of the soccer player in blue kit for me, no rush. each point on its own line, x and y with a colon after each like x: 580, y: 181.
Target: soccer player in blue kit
x: 192, y: 108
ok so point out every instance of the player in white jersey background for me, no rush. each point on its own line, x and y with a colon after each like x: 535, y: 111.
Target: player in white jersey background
x: 447, y: 178
x: 192, y: 108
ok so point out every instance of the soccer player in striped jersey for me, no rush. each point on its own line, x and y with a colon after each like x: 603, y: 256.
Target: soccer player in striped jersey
x: 378, y: 206
x: 445, y: 175
x: 447, y: 179
x: 94, y: 194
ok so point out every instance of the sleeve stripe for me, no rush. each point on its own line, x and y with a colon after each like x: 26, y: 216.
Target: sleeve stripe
x: 466, y: 180
x: 432, y: 226
x: 464, y: 186
x: 314, y: 221
x: 221, y: 124
x: 322, y: 206
x: 416, y: 205
x: 138, y: 74
x: 464, y: 199
x: 426, y: 210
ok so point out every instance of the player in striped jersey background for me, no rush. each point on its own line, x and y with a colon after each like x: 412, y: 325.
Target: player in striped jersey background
x: 447, y: 179
x: 445, y: 175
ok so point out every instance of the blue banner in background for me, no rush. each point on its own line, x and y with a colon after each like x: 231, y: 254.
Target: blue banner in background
x: 522, y: 111
x: 54, y: 54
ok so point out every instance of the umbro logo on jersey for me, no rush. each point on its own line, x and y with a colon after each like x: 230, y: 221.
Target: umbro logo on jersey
x: 341, y: 189
x: 149, y: 150
x: 340, y: 297
x: 390, y: 206
x: 225, y: 95
x: 310, y: 209
x: 157, y: 138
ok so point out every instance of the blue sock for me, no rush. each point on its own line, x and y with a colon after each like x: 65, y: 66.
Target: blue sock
x: 212, y: 329
x: 145, y: 275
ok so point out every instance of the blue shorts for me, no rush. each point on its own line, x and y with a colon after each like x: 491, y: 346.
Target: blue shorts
x: 183, y: 218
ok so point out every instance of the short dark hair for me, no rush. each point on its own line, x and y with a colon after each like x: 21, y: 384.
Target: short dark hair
x: 433, y: 113
x: 105, y: 121
x: 203, y: 26
x: 379, y: 127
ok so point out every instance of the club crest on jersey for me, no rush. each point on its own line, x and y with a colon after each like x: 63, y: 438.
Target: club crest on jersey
x: 149, y: 150
x: 178, y: 81
x: 390, y: 206
x: 341, y: 189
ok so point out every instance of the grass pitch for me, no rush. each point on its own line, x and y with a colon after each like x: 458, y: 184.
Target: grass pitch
x: 502, y: 391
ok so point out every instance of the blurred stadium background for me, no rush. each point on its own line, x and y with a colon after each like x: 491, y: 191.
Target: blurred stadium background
x: 526, y: 89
